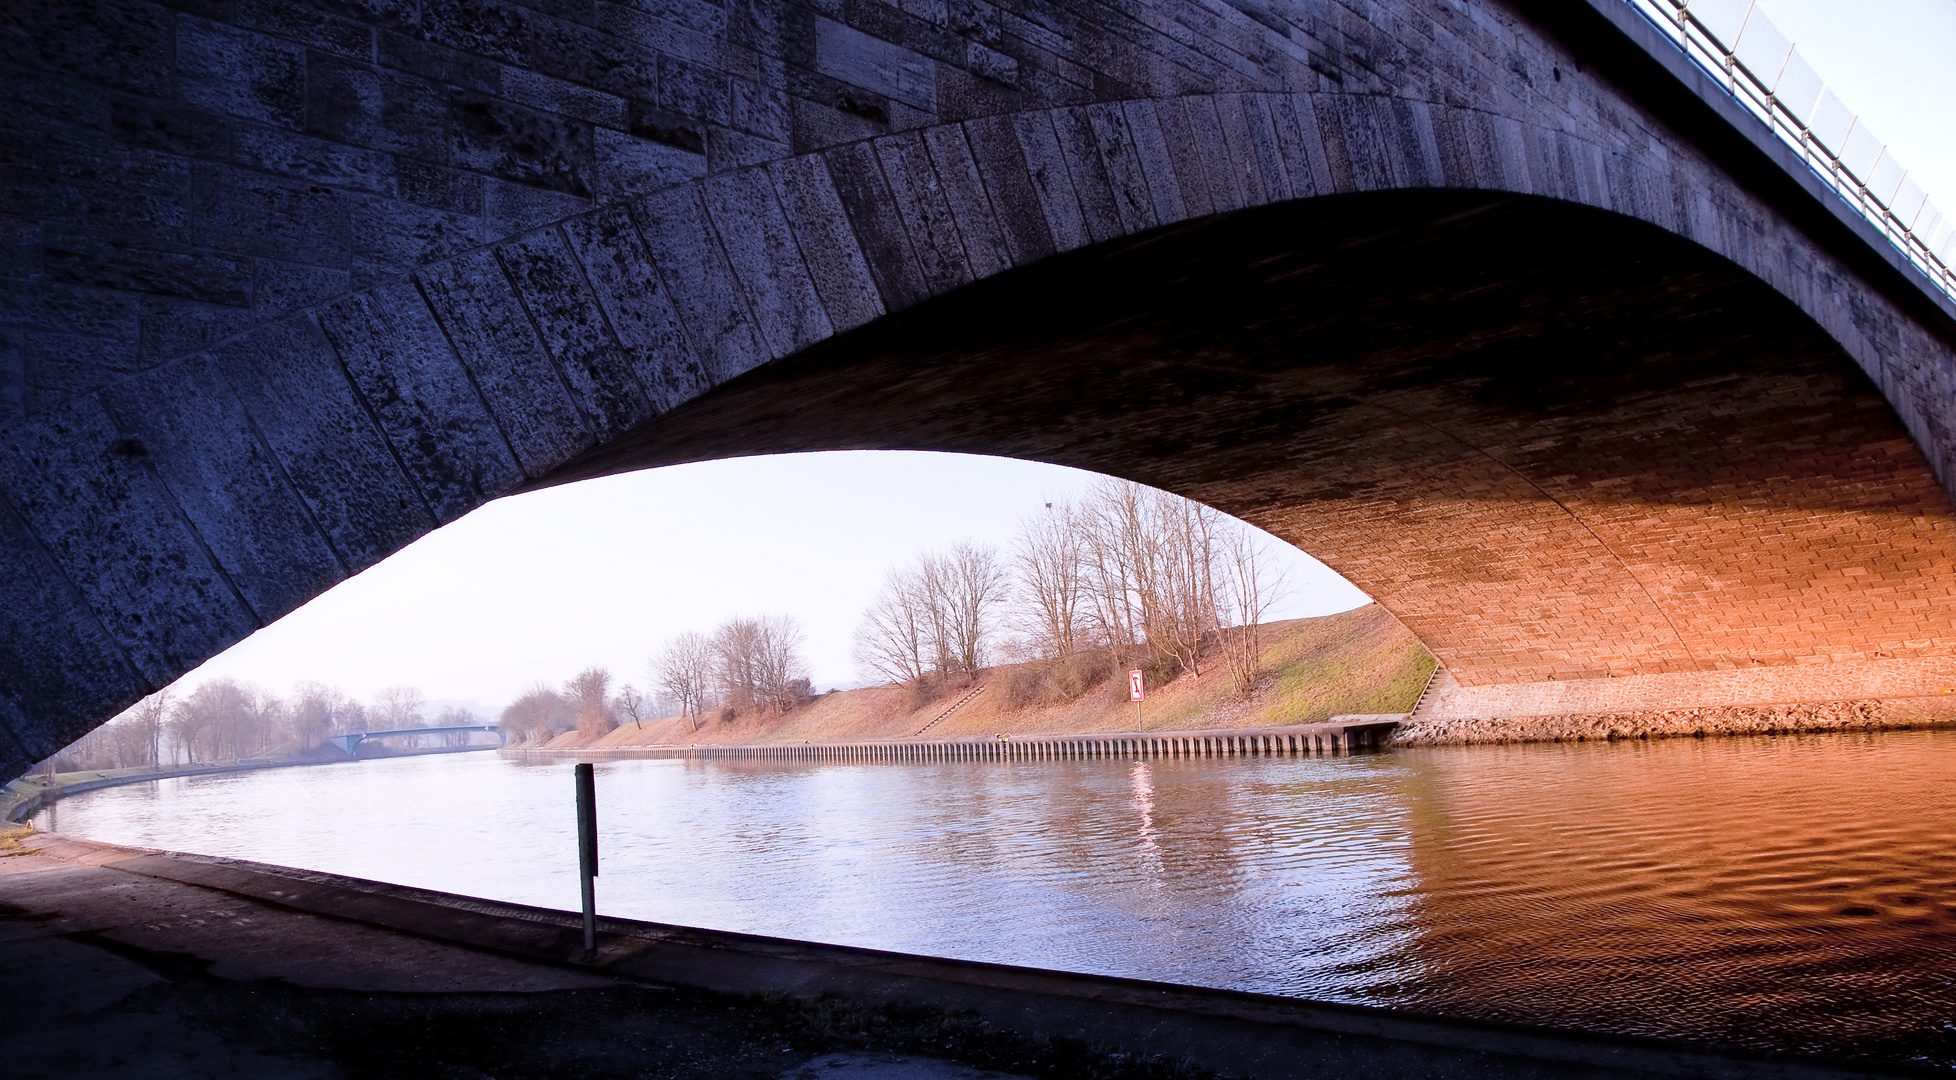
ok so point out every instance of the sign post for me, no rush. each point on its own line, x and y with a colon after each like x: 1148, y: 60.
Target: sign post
x: 587, y: 852
x: 1135, y: 694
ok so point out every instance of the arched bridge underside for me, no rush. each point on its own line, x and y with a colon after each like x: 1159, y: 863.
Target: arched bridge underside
x: 1412, y: 286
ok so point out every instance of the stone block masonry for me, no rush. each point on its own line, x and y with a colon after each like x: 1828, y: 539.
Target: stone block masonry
x: 1798, y: 718
x: 284, y: 285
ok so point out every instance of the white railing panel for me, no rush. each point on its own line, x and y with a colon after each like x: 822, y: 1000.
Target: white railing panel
x: 1735, y: 42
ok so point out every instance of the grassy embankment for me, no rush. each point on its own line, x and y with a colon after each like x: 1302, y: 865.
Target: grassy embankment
x: 1360, y: 661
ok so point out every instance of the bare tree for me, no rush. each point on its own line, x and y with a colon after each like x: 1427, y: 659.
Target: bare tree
x: 969, y: 585
x: 218, y: 721
x: 1052, y: 581
x: 318, y: 711
x: 537, y: 715
x: 937, y: 618
x: 1251, y: 586
x: 631, y: 704
x: 149, y: 716
x: 222, y: 719
x: 895, y: 640
x: 1150, y: 562
x: 234, y: 715
x: 736, y: 654
x: 589, y: 695
x: 456, y: 716
x: 185, y: 730
x: 135, y: 740
x: 271, y: 723
x: 757, y: 663
x: 684, y: 670
x: 121, y: 743
x: 782, y: 680
x: 398, y: 707
x: 349, y: 716
x: 1110, y: 525
x: 1183, y: 616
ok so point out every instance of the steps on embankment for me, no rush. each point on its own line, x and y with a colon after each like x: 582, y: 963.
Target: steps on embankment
x: 1340, y: 735
x: 955, y: 706
x: 1432, y: 694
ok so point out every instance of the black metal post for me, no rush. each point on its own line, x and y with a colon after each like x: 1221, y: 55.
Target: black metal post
x: 587, y: 852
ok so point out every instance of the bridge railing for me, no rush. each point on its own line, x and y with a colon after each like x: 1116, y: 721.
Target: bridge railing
x: 1737, y: 44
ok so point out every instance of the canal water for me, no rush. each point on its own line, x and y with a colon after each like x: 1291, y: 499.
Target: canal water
x: 1784, y: 893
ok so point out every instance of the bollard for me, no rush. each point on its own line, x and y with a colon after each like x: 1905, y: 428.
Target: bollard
x: 587, y: 853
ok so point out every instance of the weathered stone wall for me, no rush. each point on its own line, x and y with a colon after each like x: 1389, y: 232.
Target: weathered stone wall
x: 1805, y: 698
x: 1554, y: 461
x: 1931, y: 678
x: 288, y: 284
x: 1712, y: 721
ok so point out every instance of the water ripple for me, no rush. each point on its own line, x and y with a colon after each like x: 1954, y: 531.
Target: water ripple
x: 1793, y: 893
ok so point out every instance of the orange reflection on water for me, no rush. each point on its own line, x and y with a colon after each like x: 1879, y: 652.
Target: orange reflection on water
x: 1766, y: 886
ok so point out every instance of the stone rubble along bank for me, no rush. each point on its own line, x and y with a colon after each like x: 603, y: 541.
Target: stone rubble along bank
x: 1808, y: 717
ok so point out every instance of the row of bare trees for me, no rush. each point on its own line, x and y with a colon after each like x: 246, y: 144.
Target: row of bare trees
x: 229, y: 720
x: 936, y: 617
x: 747, y: 664
x: 1126, y: 571
x: 585, y: 703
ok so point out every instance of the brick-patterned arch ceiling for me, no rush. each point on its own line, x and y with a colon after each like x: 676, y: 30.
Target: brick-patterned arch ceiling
x: 1556, y: 442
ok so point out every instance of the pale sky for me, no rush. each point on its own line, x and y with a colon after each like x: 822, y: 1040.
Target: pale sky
x: 536, y: 587
x: 1894, y: 63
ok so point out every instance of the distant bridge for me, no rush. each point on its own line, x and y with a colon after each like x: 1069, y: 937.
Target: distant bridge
x: 348, y: 742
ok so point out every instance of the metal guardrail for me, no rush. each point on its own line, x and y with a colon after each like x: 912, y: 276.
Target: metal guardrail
x: 1737, y: 44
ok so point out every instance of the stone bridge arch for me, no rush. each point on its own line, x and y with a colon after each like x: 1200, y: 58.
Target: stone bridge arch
x: 1791, y: 541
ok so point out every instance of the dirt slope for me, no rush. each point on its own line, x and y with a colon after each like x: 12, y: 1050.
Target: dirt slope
x: 1359, y: 661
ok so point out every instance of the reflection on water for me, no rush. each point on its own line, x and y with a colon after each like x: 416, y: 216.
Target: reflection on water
x: 1144, y: 802
x: 1790, y: 893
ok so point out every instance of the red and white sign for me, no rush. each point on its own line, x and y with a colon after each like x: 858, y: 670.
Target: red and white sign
x: 1134, y: 685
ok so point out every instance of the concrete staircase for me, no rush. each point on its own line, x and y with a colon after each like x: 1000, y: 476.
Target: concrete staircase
x: 955, y: 706
x: 1437, y: 685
